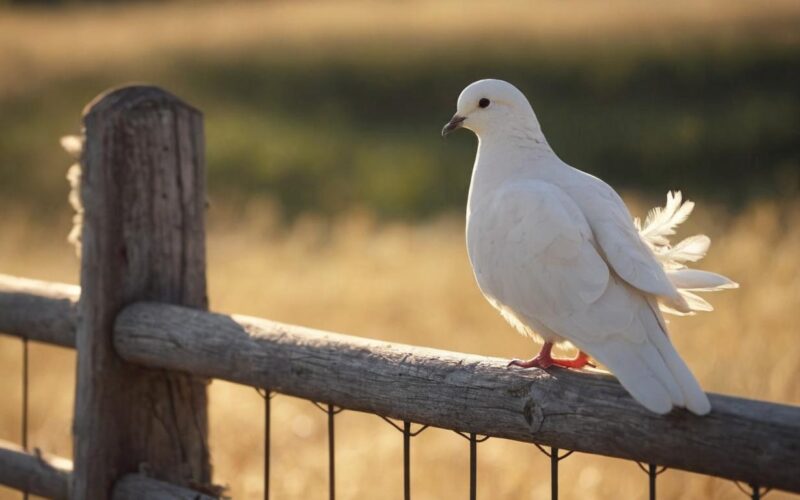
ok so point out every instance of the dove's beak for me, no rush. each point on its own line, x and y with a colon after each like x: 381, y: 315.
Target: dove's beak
x: 453, y: 124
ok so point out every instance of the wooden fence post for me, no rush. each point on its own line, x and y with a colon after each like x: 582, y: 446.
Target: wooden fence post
x: 143, y: 191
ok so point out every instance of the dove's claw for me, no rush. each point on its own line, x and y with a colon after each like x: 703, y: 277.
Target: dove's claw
x: 545, y: 360
x: 537, y: 362
x: 542, y: 360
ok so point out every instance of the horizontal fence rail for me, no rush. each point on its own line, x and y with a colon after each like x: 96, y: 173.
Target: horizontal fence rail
x: 50, y: 476
x: 33, y: 472
x: 744, y: 440
x: 39, y: 310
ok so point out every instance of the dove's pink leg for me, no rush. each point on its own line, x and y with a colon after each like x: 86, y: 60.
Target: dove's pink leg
x: 545, y: 360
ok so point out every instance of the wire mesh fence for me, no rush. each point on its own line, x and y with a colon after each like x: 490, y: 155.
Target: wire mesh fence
x: 554, y: 455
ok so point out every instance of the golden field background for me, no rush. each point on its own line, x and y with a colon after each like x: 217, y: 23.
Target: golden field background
x: 412, y: 284
x: 649, y: 97
x: 400, y: 272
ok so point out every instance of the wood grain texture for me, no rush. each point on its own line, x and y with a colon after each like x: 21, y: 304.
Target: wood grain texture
x: 39, y: 310
x: 740, y: 439
x: 143, y: 193
x: 33, y: 472
x: 137, y: 487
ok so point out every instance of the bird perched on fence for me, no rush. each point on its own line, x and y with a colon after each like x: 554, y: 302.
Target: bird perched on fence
x: 556, y: 251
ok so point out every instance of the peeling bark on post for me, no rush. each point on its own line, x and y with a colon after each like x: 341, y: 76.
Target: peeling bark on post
x: 143, y: 190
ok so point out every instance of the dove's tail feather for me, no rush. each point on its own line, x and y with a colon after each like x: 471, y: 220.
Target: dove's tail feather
x: 658, y: 226
x: 695, y: 399
x: 699, y: 281
x: 652, y: 371
x: 654, y: 374
x: 636, y: 371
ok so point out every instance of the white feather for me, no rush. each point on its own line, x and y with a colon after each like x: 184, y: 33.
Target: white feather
x: 695, y: 400
x: 691, y: 249
x: 659, y: 225
x: 661, y: 222
x: 634, y: 373
x: 700, y: 281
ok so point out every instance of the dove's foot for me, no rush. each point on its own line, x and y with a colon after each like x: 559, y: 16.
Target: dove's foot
x: 581, y: 360
x: 545, y: 360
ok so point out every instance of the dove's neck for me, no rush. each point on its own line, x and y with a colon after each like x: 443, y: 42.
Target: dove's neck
x: 514, y: 153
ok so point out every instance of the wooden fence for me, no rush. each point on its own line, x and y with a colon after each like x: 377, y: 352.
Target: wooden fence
x: 147, y: 346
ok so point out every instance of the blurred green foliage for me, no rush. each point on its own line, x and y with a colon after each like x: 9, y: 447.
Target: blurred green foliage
x: 328, y: 135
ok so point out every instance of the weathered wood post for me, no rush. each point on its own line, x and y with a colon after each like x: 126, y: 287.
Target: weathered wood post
x: 143, y: 191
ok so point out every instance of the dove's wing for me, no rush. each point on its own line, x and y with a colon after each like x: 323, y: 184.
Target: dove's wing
x: 623, y: 247
x: 534, y: 253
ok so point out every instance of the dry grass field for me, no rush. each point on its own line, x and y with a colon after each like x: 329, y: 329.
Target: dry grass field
x: 651, y: 97
x: 412, y: 284
x: 364, y: 274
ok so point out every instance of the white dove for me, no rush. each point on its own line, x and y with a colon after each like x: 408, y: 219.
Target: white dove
x: 556, y: 251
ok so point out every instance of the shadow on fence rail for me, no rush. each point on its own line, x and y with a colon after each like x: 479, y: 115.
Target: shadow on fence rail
x: 141, y: 327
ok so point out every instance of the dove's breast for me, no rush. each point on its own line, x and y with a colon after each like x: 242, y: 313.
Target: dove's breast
x: 484, y: 246
x: 492, y: 231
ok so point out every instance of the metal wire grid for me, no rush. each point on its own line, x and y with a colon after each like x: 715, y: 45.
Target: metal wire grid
x: 332, y: 411
x: 554, y: 454
x: 267, y: 395
x: 555, y: 458
x: 652, y: 470
x: 755, y: 493
x: 407, y: 435
x: 473, y: 461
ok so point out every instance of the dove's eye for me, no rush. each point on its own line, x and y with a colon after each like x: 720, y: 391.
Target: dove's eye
x: 484, y: 103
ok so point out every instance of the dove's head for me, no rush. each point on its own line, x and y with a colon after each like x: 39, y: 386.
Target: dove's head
x: 492, y: 106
